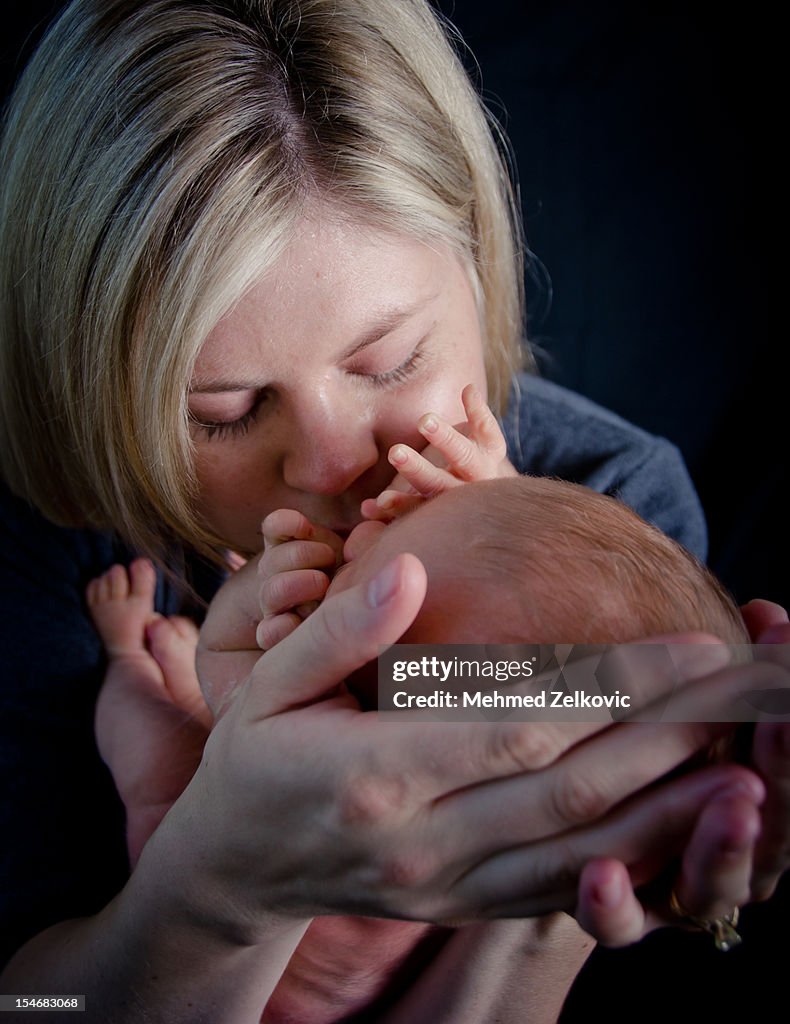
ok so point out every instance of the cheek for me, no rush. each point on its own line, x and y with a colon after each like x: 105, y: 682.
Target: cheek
x: 232, y: 496
x: 219, y: 478
x: 443, y: 391
x: 461, y: 363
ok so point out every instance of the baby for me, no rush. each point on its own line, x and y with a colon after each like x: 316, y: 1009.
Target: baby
x: 509, y: 560
x: 539, y: 560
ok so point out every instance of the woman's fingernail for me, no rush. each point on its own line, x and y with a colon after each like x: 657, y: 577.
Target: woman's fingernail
x: 384, y: 585
x: 398, y: 455
x: 750, y: 787
x: 429, y: 424
x: 608, y: 893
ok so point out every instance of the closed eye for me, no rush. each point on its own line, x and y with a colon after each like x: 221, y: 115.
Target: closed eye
x: 221, y: 429
x: 398, y: 374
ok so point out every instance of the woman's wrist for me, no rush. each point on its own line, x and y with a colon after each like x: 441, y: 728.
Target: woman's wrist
x: 149, y: 955
x: 190, y: 952
x: 180, y: 869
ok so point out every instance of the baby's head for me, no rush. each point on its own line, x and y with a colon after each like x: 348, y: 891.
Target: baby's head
x: 536, y: 560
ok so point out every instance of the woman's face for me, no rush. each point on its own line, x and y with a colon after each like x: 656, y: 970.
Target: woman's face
x: 300, y: 391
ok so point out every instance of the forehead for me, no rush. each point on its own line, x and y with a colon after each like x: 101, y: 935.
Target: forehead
x: 334, y: 280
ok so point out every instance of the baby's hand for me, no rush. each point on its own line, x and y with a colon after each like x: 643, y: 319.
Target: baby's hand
x: 452, y: 457
x: 294, y: 554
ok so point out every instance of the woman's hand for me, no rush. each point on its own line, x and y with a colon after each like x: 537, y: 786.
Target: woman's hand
x: 768, y: 624
x: 306, y: 805
x: 477, y: 450
x: 738, y: 850
x: 713, y: 879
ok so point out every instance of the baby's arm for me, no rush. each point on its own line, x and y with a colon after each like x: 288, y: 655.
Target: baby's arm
x: 151, y: 721
x: 293, y: 568
x: 476, y: 451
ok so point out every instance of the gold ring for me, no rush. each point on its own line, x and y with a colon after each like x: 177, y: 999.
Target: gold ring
x: 721, y: 928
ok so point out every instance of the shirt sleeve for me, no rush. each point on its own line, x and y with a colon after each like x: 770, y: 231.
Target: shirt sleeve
x: 553, y: 432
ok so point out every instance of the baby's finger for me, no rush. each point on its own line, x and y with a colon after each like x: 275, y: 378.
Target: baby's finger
x: 297, y: 554
x: 286, y: 524
x: 426, y: 479
x: 271, y: 631
x: 307, y: 609
x: 343, y: 635
x: 464, y: 457
x: 390, y: 505
x: 483, y: 428
x: 370, y: 510
x: 287, y: 590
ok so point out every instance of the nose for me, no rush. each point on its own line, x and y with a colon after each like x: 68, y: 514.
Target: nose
x: 331, y: 445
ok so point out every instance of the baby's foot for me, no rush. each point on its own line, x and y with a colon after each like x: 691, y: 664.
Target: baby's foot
x: 121, y: 604
x: 173, y: 642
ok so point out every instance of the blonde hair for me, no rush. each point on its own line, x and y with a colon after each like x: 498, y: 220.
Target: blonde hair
x: 156, y: 157
x: 578, y: 566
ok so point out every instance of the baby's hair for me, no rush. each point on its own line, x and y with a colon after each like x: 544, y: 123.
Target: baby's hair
x: 156, y: 158
x: 587, y: 568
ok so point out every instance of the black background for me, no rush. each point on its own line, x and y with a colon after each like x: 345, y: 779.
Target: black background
x: 646, y: 140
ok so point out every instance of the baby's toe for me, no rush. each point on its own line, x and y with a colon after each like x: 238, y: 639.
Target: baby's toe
x: 172, y: 642
x: 112, y: 585
x: 167, y: 644
x: 142, y: 577
x: 185, y: 628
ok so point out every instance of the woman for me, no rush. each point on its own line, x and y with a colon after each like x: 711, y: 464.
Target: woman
x: 247, y: 246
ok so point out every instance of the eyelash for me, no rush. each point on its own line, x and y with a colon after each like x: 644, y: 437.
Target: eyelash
x: 238, y: 428
x: 232, y: 428
x: 400, y: 374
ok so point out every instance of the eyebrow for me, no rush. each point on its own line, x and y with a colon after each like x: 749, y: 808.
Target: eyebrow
x: 387, y: 323
x: 380, y: 328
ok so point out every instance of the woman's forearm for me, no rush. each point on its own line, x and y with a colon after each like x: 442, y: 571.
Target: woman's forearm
x: 504, y: 971
x: 155, y: 953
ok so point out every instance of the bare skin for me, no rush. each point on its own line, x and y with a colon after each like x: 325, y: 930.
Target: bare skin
x: 342, y: 964
x: 151, y: 720
x: 331, y: 972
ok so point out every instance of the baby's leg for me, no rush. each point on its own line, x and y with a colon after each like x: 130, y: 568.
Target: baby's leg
x: 151, y: 722
x: 138, y: 640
